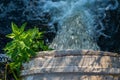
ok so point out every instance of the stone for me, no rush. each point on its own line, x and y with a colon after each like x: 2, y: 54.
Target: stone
x: 73, y: 65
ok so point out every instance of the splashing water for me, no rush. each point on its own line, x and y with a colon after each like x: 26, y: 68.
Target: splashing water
x: 78, y: 21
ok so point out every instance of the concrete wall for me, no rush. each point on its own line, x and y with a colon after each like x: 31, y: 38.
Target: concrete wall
x: 73, y: 65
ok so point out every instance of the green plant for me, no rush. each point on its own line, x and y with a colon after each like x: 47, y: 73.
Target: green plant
x: 23, y: 46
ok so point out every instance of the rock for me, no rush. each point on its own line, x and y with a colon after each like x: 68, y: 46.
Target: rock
x: 73, y: 65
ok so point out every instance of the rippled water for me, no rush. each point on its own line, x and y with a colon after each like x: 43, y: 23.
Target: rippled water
x: 79, y: 21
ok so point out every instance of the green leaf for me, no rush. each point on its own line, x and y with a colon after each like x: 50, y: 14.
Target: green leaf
x: 23, y: 36
x: 45, y: 48
x: 15, y: 28
x: 12, y: 65
x: 31, y: 52
x: 9, y: 46
x: 33, y: 32
x: 22, y: 44
x: 23, y: 27
x: 12, y: 35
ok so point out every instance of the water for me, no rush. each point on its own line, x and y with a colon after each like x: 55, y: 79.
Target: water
x: 79, y: 21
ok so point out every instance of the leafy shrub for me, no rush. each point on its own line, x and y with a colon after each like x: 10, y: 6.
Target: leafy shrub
x: 23, y: 46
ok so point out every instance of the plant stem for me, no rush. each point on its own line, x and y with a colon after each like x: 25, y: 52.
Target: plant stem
x: 6, y: 71
x: 14, y: 74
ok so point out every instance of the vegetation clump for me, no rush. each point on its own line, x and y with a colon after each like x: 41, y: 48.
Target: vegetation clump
x: 22, y: 47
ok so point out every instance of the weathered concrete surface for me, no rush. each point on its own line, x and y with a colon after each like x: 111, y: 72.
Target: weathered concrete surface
x: 73, y: 65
